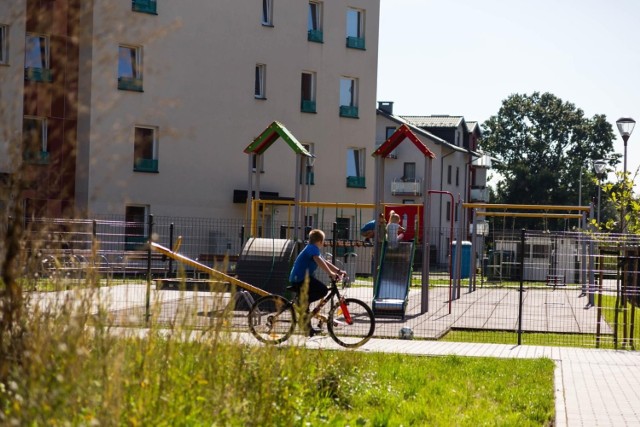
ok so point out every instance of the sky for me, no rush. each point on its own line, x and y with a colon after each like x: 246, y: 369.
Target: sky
x: 464, y: 57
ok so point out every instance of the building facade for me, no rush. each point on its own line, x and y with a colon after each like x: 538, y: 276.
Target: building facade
x: 459, y: 168
x: 143, y: 106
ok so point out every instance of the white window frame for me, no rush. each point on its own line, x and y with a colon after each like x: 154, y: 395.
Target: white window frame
x: 154, y: 142
x: 312, y: 86
x: 4, y: 44
x: 359, y: 30
x: 314, y: 25
x: 43, y: 131
x: 136, y: 65
x: 42, y: 39
x: 267, y: 13
x: 357, y: 168
x: 260, y: 81
x: 353, y: 87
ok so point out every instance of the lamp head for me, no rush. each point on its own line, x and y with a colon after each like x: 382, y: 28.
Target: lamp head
x: 600, y: 168
x: 625, y: 127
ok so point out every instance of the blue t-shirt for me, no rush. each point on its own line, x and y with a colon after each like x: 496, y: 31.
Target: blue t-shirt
x: 371, y: 225
x: 304, y: 263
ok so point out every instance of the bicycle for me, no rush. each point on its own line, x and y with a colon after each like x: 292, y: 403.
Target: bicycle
x: 350, y: 322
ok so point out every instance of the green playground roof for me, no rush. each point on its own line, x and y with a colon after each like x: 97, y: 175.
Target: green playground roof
x: 274, y: 131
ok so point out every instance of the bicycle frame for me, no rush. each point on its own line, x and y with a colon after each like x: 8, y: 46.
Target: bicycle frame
x: 333, y: 292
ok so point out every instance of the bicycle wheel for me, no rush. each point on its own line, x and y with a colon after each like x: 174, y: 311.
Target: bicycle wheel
x: 355, y: 329
x: 272, y: 319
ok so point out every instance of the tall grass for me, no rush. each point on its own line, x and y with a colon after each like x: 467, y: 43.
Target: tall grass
x: 76, y: 368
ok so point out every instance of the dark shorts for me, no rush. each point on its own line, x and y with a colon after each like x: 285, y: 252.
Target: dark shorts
x: 317, y: 289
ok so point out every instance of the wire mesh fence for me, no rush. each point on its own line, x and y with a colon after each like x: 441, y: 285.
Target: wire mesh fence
x: 529, y: 287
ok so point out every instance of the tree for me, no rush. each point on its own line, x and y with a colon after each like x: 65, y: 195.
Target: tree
x: 543, y: 145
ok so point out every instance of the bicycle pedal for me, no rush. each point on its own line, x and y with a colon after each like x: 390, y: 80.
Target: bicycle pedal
x: 322, y: 318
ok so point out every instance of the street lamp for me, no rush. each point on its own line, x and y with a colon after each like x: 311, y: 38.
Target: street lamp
x: 625, y: 126
x: 600, y: 167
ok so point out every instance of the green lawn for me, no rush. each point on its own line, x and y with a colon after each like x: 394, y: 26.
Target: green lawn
x: 80, y: 380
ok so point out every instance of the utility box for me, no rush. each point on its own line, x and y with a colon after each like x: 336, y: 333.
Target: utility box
x: 465, y: 258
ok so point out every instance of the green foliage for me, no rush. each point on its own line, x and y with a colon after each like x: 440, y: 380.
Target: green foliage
x: 95, y: 378
x: 619, y: 195
x: 543, y: 144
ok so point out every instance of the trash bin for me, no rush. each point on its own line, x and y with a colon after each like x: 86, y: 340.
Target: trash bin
x: 465, y: 258
x: 350, y: 267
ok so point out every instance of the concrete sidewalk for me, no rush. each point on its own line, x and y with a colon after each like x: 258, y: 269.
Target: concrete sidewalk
x: 592, y: 387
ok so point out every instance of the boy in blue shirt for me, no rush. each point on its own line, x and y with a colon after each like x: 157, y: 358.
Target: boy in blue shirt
x: 306, y: 264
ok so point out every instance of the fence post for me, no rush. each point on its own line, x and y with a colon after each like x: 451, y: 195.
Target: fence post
x: 170, y: 247
x: 521, y: 291
x: 148, y: 292
x: 334, y: 231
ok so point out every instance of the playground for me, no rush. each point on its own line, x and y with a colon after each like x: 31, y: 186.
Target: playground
x: 465, y: 277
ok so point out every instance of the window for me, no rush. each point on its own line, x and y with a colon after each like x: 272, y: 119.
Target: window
x: 409, y: 172
x: 449, y: 174
x: 34, y: 140
x: 145, y: 149
x: 355, y: 167
x: 36, y: 58
x: 267, y: 13
x: 389, y: 130
x: 348, y: 98
x: 308, y: 92
x: 448, y: 214
x: 136, y: 227
x: 355, y: 28
x: 145, y: 6
x: 457, y: 176
x: 343, y: 225
x: 4, y: 44
x: 314, y: 24
x: 260, y: 83
x: 130, y: 68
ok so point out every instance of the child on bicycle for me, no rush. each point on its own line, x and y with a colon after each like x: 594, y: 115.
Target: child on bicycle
x: 305, y: 266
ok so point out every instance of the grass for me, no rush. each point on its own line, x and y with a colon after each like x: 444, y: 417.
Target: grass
x: 61, y: 371
x: 101, y: 380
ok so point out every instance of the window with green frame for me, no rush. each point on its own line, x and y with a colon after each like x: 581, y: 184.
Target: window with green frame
x: 145, y: 6
x: 355, y: 29
x: 136, y: 227
x: 130, y: 68
x: 314, y: 22
x: 145, y: 149
x: 36, y: 58
x: 34, y: 140
x: 355, y: 168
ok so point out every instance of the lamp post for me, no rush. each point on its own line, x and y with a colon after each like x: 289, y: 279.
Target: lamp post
x: 625, y: 127
x: 600, y: 167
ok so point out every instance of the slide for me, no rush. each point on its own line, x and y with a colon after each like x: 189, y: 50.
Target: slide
x: 391, y: 290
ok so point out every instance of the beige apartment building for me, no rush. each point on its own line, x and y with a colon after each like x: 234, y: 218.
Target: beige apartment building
x: 143, y: 106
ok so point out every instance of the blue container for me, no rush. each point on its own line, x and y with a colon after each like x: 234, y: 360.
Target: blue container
x: 465, y: 259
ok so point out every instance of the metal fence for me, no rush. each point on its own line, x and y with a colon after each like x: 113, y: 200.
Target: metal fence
x: 528, y: 287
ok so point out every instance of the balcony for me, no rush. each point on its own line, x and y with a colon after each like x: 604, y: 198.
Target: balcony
x: 348, y: 111
x: 356, y: 182
x: 146, y: 165
x: 479, y: 194
x: 36, y: 157
x: 145, y: 6
x: 38, y: 74
x: 129, y: 83
x: 400, y: 187
x: 355, y: 43
x: 308, y: 106
x: 315, y: 36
